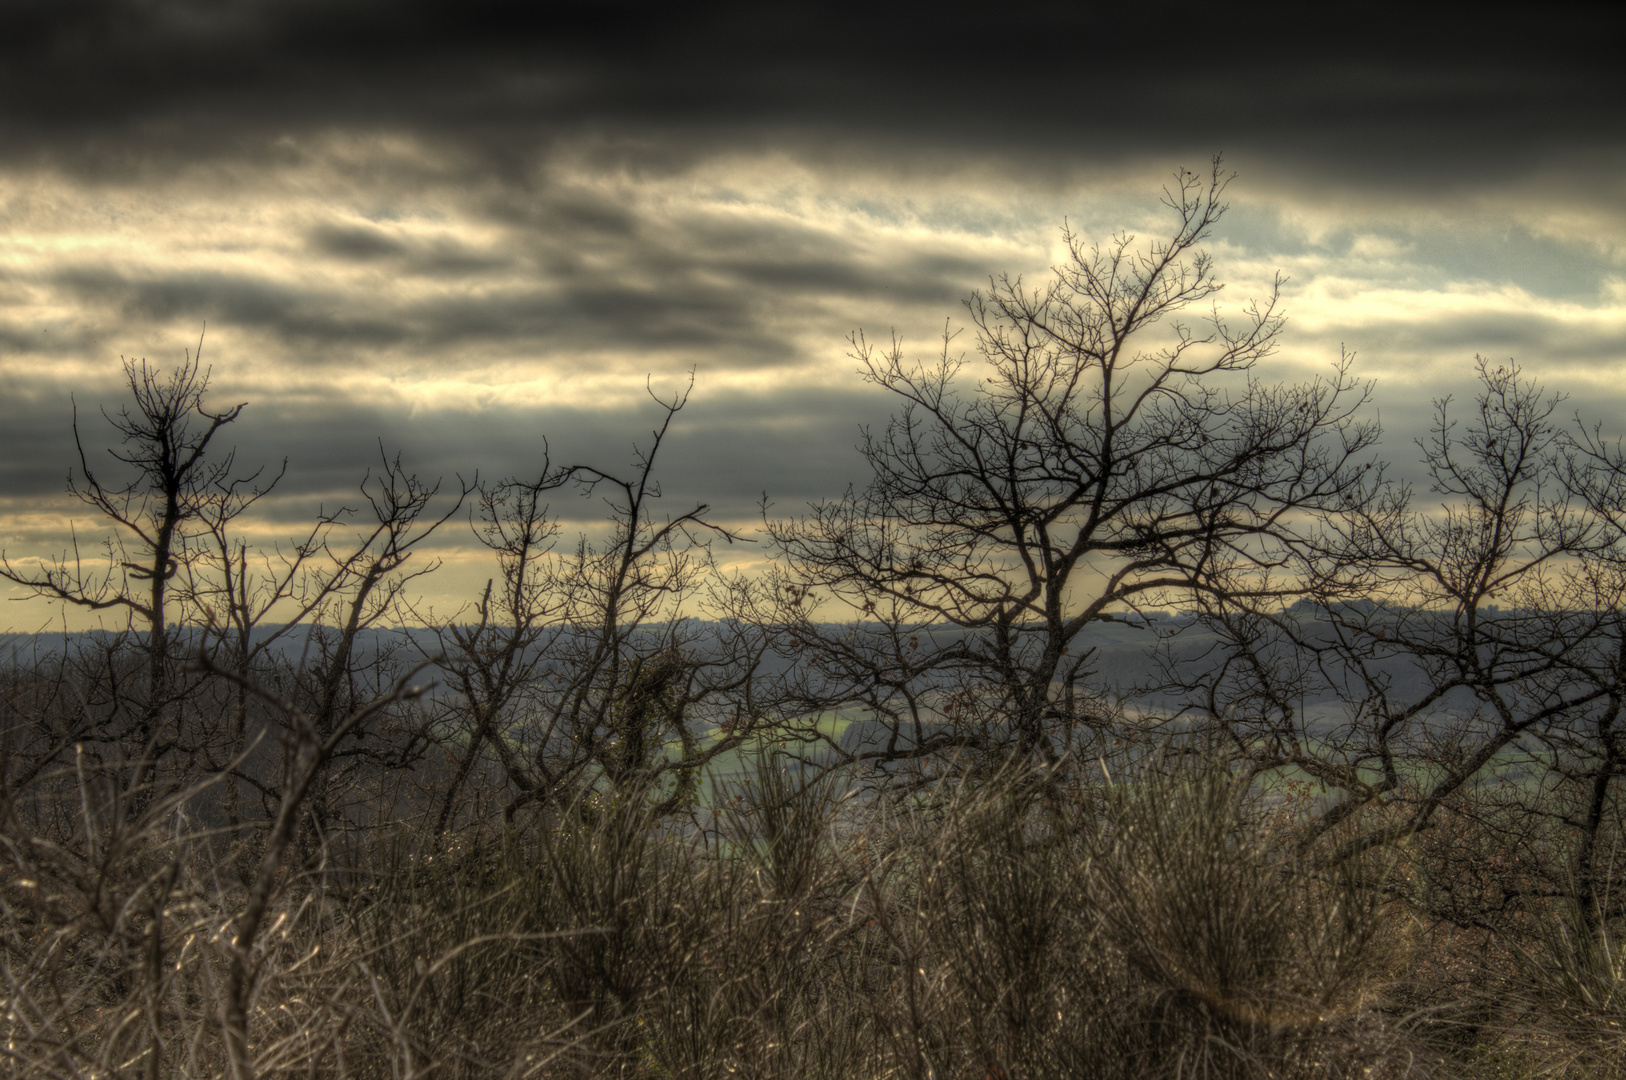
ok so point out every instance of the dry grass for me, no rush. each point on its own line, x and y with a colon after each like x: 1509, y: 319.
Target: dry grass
x: 1024, y: 924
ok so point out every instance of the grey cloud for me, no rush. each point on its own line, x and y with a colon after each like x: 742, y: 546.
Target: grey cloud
x: 1533, y: 338
x: 726, y: 450
x: 574, y: 213
x: 448, y: 260
x: 511, y: 113
x: 354, y: 243
x: 38, y: 341
x: 590, y: 317
x: 1542, y: 265
x: 295, y: 313
x: 924, y: 280
x: 1431, y: 253
x: 1261, y: 229
x: 38, y: 448
x: 439, y: 258
x: 736, y: 293
x: 1351, y: 94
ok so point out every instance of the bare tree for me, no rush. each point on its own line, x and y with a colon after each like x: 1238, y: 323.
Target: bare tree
x: 1593, y: 751
x: 171, y: 486
x: 234, y: 592
x: 496, y: 662
x: 1456, y: 673
x: 1101, y: 455
x: 587, y: 672
x: 362, y: 585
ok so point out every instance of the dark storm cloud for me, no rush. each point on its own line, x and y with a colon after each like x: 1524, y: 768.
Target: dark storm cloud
x: 111, y: 84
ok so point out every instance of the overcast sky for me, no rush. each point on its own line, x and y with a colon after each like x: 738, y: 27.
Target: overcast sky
x: 460, y: 229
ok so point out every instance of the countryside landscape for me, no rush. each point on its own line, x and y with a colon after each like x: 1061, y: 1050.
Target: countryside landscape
x: 529, y: 551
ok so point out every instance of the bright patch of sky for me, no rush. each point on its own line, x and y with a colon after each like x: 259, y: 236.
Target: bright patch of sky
x: 367, y: 289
